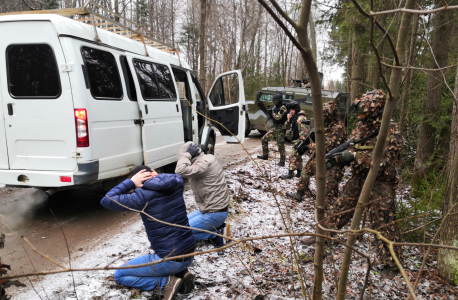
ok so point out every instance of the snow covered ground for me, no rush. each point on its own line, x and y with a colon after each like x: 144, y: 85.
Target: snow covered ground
x: 246, y: 271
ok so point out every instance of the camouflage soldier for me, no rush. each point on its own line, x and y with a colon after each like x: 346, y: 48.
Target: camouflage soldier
x: 277, y: 132
x: 336, y: 134
x: 297, y: 124
x: 383, y: 210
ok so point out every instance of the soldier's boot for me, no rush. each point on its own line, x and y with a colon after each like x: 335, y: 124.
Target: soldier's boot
x: 264, y: 157
x: 288, y: 176
x: 298, y: 174
x: 281, y: 164
x: 296, y: 195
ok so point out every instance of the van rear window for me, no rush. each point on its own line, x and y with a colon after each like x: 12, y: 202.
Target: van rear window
x: 102, y: 70
x: 32, y: 72
x: 155, y: 81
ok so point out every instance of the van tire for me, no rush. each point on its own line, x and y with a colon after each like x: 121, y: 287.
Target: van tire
x: 247, y: 126
x: 262, y: 132
x: 211, y: 146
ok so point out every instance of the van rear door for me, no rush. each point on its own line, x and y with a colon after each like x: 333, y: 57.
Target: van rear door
x: 227, y: 106
x: 36, y: 97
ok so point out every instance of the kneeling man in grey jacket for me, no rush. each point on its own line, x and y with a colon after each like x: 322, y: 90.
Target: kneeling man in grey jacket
x: 208, y: 183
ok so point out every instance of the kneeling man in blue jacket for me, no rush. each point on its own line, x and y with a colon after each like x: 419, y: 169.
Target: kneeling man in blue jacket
x: 160, y: 196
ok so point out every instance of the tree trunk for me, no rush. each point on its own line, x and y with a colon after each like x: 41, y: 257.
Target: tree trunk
x: 357, y: 70
x: 375, y: 76
x: 203, y: 25
x: 378, y: 151
x: 412, y: 55
x: 434, y: 86
x: 312, y: 36
x: 447, y: 260
x: 349, y: 64
x: 116, y: 9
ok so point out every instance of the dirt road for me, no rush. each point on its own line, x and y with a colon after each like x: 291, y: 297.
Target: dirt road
x: 85, y: 222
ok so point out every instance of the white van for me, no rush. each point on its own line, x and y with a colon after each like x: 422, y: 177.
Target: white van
x: 77, y: 111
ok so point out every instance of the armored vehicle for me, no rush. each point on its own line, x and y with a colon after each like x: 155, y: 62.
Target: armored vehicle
x: 257, y: 116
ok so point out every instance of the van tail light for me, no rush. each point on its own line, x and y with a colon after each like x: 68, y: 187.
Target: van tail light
x: 82, y: 132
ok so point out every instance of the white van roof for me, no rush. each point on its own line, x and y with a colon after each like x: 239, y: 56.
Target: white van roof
x: 68, y: 27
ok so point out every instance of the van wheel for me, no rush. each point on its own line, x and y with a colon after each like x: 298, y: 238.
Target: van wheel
x: 211, y: 146
x: 247, y: 126
x: 262, y: 132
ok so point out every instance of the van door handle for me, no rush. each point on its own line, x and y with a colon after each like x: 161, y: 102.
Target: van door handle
x: 10, y: 109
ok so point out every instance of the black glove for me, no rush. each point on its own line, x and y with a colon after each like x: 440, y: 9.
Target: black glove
x: 194, y: 150
x: 330, y: 163
x: 345, y: 158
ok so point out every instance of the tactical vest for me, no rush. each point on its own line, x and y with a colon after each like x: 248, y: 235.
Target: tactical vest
x: 294, y: 128
x: 276, y: 109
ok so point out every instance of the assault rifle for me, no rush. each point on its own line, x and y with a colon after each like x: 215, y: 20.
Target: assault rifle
x: 347, y: 144
x: 304, y: 144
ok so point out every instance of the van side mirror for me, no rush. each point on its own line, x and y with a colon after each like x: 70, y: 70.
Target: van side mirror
x: 258, y: 96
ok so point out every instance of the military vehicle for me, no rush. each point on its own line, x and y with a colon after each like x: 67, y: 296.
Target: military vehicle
x: 257, y: 116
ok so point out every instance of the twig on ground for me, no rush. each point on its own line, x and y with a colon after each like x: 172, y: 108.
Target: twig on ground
x: 68, y: 251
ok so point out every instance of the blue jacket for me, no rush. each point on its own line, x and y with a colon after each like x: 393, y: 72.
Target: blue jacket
x: 164, y: 196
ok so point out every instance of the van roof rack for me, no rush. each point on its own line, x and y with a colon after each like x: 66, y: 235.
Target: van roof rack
x: 100, y: 17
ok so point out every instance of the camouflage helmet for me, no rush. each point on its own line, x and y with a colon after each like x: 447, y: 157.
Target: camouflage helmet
x: 293, y: 105
x: 370, y: 106
x: 277, y: 98
x: 330, y: 112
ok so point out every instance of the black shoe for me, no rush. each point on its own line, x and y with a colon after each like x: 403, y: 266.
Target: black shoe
x: 289, y: 176
x: 264, y: 157
x: 296, y: 195
x: 298, y: 174
x: 281, y: 164
x: 170, y: 290
x: 188, y: 281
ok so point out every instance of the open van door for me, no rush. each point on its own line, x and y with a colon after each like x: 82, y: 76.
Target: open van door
x: 227, y: 106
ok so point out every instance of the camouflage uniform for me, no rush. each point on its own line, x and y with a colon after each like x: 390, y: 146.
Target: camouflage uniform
x: 277, y: 133
x: 383, y: 211
x: 335, y: 134
x: 295, y: 159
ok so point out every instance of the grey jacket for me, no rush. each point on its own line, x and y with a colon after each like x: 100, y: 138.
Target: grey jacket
x: 206, y: 178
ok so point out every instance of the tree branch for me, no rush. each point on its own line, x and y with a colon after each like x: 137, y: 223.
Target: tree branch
x: 283, y: 26
x: 283, y: 14
x: 414, y: 11
x: 386, y: 34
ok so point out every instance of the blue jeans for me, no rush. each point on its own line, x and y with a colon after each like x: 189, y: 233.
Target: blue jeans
x: 207, y: 221
x: 149, y: 277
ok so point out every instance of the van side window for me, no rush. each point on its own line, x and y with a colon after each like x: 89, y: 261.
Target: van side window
x: 102, y: 70
x: 130, y: 85
x: 155, y: 81
x: 164, y: 79
x: 32, y: 72
x: 200, y: 94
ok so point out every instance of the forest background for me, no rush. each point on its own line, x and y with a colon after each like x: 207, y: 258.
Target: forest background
x: 216, y: 36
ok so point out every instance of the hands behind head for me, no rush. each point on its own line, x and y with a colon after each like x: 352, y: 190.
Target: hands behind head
x: 143, y: 176
x: 194, y: 150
